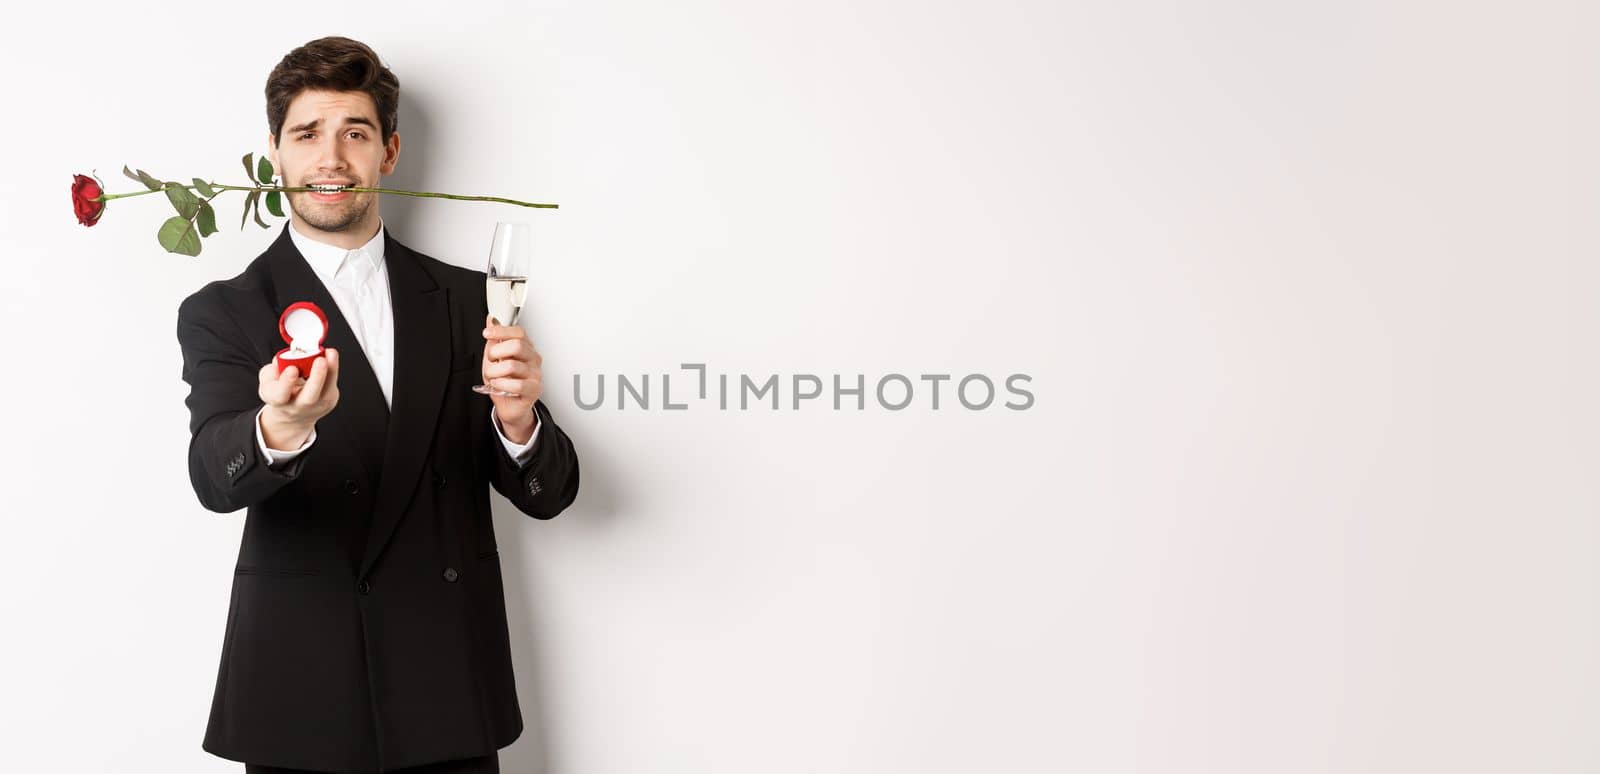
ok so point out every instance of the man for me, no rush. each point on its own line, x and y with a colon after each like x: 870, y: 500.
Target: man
x: 367, y: 626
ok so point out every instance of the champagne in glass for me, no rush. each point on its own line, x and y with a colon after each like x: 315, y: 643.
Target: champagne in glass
x: 506, y: 281
x: 506, y: 295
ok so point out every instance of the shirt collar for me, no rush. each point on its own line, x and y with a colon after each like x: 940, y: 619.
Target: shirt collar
x: 327, y: 260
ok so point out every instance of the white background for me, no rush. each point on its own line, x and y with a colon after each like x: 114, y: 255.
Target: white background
x: 1308, y: 292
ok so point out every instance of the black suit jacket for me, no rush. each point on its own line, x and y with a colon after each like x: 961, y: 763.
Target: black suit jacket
x: 367, y: 624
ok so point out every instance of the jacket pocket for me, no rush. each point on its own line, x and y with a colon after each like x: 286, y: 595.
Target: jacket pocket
x: 245, y: 569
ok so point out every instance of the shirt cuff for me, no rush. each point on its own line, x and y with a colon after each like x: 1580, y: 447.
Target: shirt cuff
x: 518, y: 451
x: 274, y: 456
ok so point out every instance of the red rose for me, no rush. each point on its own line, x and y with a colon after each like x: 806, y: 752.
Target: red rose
x: 84, y: 193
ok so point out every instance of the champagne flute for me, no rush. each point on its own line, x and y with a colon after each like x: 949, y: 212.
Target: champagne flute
x: 506, y: 283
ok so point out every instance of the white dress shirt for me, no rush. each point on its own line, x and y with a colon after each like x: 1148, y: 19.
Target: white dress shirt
x: 358, y: 280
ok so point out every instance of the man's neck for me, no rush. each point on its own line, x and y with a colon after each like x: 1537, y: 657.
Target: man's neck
x: 348, y: 239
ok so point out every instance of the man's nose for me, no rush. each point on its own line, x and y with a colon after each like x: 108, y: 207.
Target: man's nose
x: 330, y: 158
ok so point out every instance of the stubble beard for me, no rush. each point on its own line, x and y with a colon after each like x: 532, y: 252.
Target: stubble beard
x: 330, y: 216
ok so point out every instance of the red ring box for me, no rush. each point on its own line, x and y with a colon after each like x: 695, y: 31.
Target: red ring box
x: 304, y: 326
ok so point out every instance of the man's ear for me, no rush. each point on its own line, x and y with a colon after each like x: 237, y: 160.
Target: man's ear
x: 272, y: 155
x: 391, y: 154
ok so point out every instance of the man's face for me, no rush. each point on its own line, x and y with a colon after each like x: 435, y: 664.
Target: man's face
x: 333, y: 137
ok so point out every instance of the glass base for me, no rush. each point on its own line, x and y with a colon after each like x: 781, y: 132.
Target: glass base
x: 484, y: 389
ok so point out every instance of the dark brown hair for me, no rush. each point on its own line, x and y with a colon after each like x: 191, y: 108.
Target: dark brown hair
x: 334, y: 64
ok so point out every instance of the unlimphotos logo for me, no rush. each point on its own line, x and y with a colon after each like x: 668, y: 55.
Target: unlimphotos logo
x: 894, y: 392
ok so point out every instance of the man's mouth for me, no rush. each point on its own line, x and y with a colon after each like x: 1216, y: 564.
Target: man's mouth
x: 329, y: 192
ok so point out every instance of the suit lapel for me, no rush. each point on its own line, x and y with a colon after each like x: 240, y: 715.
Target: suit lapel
x: 362, y: 414
x: 421, y: 368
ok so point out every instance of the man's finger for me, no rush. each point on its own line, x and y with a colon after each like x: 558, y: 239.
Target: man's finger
x: 506, y: 367
x: 506, y: 384
x: 521, y: 388
x: 493, y: 331
x: 281, y: 389
x: 313, y: 389
x: 332, y: 357
x: 520, y: 349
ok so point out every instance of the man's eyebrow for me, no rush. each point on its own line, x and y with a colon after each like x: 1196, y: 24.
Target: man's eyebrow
x: 348, y: 121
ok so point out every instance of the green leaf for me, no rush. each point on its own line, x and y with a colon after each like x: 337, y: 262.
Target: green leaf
x: 249, y: 167
x: 177, y: 235
x: 256, y: 211
x: 130, y: 175
x: 206, y: 219
x: 149, y: 182
x: 182, y: 200
x: 204, y: 189
x: 249, y: 201
x: 274, y: 203
x: 264, y: 170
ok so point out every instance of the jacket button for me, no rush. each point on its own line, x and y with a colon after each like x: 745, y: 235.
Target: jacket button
x: 350, y: 486
x: 450, y: 574
x: 363, y: 587
x: 438, y: 480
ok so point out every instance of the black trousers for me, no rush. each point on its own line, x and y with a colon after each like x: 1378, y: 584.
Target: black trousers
x: 488, y: 764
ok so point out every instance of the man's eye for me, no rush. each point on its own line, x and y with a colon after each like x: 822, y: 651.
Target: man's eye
x: 303, y: 136
x: 358, y: 134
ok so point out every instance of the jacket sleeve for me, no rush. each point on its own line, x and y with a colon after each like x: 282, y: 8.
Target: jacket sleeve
x: 548, y: 482
x: 226, y: 466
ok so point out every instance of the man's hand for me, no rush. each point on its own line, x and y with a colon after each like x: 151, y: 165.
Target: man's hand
x: 510, y: 364
x: 293, y: 404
